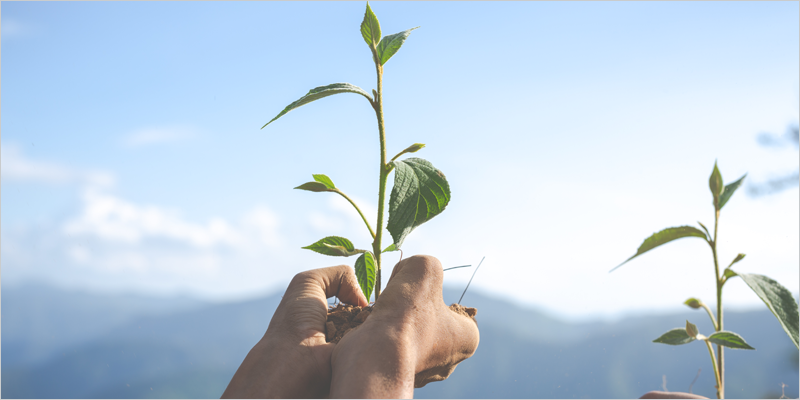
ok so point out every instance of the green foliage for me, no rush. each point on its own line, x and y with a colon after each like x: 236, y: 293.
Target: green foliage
x: 728, y: 191
x: 390, y: 44
x: 715, y: 184
x: 663, y: 237
x: 778, y: 299
x: 420, y: 193
x: 334, y: 246
x: 319, y: 93
x: 729, y: 339
x: 371, y: 28
x: 738, y: 258
x: 691, y: 329
x: 675, y: 337
x: 693, y: 303
x: 321, y: 184
x: 365, y: 272
x: 389, y: 248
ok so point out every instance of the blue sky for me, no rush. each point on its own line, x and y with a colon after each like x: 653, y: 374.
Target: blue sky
x: 132, y: 157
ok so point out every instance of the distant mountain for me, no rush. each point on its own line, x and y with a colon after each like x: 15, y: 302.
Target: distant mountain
x: 58, y: 344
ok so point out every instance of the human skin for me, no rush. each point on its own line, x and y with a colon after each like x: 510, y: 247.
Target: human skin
x: 411, y: 338
x: 292, y: 359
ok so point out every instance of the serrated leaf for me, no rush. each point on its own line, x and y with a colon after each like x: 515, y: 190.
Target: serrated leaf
x: 729, y: 339
x: 391, y: 247
x: 334, y: 246
x: 323, y: 179
x: 693, y: 303
x: 738, y: 258
x: 390, y: 44
x: 691, y: 329
x: 321, y: 92
x: 365, y: 272
x: 663, y: 237
x: 778, y: 299
x: 420, y: 193
x: 370, y: 28
x: 715, y: 184
x: 314, y: 187
x: 728, y: 191
x: 675, y: 337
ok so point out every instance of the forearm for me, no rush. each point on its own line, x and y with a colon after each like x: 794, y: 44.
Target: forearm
x: 273, y: 370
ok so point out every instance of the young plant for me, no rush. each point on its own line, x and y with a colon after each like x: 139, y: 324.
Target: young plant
x: 777, y: 298
x: 420, y: 190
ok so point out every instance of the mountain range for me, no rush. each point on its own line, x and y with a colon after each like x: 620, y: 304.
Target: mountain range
x: 71, y: 344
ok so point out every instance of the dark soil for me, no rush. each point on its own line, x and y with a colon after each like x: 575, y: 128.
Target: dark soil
x: 344, y: 317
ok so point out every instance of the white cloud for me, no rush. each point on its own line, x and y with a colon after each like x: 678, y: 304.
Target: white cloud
x: 15, y: 166
x: 158, y: 135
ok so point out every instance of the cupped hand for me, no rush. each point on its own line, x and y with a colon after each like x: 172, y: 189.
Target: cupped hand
x: 293, y: 358
x: 411, y: 337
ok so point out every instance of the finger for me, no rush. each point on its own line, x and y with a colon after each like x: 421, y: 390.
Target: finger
x: 341, y: 281
x: 420, y: 268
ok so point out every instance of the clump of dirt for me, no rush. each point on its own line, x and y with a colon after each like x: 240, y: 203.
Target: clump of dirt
x: 344, y: 317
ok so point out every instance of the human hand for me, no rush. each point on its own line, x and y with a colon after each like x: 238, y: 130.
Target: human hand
x: 293, y: 360
x: 411, y: 337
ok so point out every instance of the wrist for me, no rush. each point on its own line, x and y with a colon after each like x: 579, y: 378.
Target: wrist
x: 374, y: 361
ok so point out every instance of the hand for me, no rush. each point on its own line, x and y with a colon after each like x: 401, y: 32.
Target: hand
x: 411, y: 337
x: 293, y: 359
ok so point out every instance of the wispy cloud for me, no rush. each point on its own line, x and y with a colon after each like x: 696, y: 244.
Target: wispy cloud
x: 15, y: 166
x: 158, y: 135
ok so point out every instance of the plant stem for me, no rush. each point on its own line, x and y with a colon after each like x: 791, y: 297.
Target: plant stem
x: 710, y: 314
x: 384, y: 173
x: 359, y: 212
x: 714, y: 363
x: 721, y: 361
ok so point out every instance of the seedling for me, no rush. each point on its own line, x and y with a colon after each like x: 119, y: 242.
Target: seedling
x: 777, y: 298
x: 420, y: 191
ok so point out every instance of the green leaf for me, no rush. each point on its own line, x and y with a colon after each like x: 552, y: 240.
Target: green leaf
x: 708, y: 235
x: 691, y: 329
x: 391, y: 247
x: 738, y: 258
x: 729, y: 273
x: 314, y: 187
x: 420, y: 193
x: 715, y: 184
x: 365, y: 272
x: 320, y: 92
x: 390, y: 44
x: 778, y: 299
x: 370, y: 28
x: 334, y: 246
x: 693, y: 303
x: 323, y: 179
x: 728, y: 191
x: 729, y: 339
x: 675, y: 337
x: 665, y: 236
x: 321, y: 184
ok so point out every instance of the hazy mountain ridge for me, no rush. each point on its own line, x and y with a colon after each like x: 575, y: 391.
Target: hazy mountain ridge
x: 126, y: 347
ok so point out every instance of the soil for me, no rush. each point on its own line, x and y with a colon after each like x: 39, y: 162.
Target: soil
x: 344, y: 317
